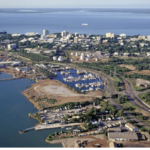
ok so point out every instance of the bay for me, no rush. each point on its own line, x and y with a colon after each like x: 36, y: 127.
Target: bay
x: 57, y: 20
x: 14, y: 109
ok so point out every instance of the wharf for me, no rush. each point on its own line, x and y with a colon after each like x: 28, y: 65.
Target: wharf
x: 51, y: 126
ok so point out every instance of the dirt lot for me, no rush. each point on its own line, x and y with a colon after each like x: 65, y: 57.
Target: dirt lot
x: 144, y: 72
x: 53, y: 89
x: 91, y: 141
x: 144, y: 144
x: 128, y: 67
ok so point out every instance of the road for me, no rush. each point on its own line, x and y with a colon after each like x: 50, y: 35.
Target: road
x: 132, y: 96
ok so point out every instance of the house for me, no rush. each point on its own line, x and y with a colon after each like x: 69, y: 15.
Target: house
x: 122, y: 136
x: 131, y: 127
x: 115, y: 54
x: 126, y: 54
x: 148, y: 53
x: 137, y: 54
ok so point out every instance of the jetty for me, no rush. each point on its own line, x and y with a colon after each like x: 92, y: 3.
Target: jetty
x: 26, y: 130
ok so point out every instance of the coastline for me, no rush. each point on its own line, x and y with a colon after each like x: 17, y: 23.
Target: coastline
x: 56, y: 142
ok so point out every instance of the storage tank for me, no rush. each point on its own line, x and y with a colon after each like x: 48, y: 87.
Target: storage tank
x: 60, y: 58
x: 54, y: 57
x: 82, y: 57
x: 82, y: 54
x: 87, y: 59
x: 77, y: 54
x: 96, y: 59
x: 89, y: 56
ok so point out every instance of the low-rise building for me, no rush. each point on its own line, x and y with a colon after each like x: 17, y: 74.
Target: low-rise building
x: 141, y: 37
x: 123, y: 35
x: 122, y: 136
x: 16, y: 34
x: 51, y: 36
x: 131, y: 127
x: 148, y: 53
x: 126, y: 54
x: 115, y: 54
x: 12, y: 46
x: 31, y: 34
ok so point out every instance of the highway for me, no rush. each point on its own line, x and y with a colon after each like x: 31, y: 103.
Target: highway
x: 131, y: 95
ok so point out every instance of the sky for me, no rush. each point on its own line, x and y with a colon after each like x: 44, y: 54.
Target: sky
x: 74, y: 3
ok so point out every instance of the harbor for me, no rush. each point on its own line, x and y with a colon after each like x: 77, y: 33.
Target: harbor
x: 81, y: 80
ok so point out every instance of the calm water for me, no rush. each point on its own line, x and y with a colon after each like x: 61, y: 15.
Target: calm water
x: 74, y: 74
x: 4, y: 75
x: 57, y: 20
x: 14, y: 109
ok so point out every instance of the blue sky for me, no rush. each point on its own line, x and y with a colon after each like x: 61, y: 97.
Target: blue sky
x: 75, y: 3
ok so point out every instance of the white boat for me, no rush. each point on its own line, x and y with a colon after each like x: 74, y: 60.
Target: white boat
x: 69, y: 128
x: 84, y: 24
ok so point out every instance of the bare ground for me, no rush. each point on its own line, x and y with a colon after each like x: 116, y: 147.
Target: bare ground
x: 53, y: 89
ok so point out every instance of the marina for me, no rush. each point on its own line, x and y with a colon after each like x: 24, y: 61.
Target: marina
x: 77, y: 79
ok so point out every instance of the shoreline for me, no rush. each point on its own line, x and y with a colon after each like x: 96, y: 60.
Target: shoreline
x: 56, y: 142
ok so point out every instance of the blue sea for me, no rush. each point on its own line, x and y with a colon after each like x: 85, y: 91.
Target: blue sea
x: 100, y: 21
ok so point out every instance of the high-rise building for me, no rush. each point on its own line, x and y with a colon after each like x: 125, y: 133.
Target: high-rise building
x: 64, y: 33
x: 75, y: 39
x: 45, y: 32
x: 110, y: 35
x: 148, y: 37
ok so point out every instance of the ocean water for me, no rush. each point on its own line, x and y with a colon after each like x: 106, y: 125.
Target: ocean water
x: 100, y: 21
x: 14, y: 109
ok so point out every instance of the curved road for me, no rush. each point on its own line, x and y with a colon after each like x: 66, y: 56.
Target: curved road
x: 132, y: 97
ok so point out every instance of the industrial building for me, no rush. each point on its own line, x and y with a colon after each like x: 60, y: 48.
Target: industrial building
x: 60, y: 58
x: 131, y: 127
x: 122, y: 136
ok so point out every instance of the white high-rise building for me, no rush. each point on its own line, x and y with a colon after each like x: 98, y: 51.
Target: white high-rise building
x: 148, y: 37
x: 76, y: 40
x: 45, y: 32
x: 64, y: 33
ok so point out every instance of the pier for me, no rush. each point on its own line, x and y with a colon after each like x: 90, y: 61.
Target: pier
x: 26, y: 130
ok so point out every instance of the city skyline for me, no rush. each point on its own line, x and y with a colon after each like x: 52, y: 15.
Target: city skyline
x: 75, y: 4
